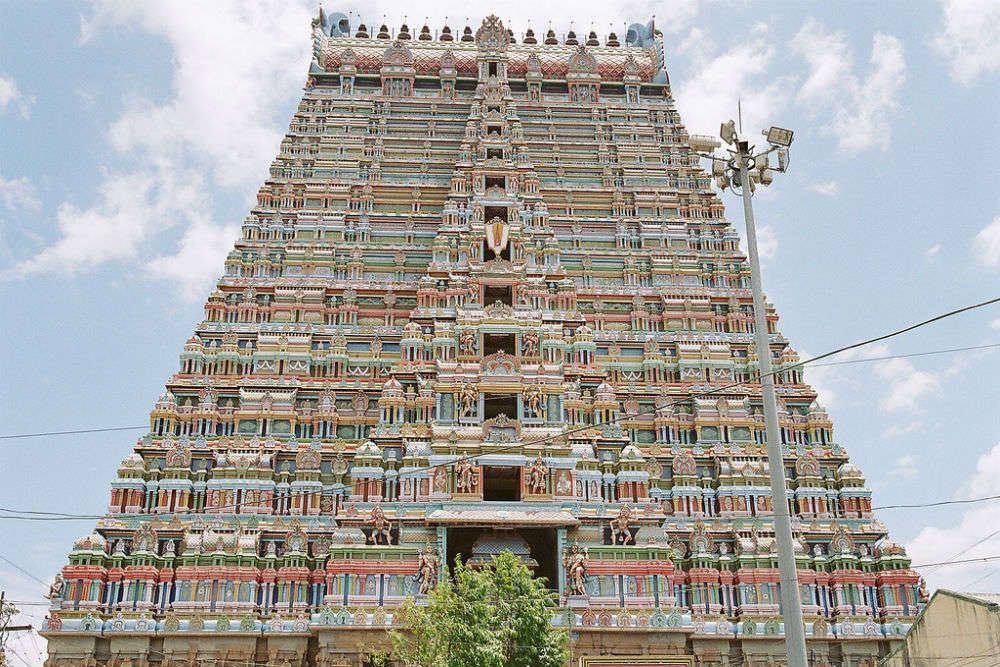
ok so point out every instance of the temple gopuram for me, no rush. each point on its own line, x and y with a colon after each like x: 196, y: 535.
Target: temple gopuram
x: 487, y: 300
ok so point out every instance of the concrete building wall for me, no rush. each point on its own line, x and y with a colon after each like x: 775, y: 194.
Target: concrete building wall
x: 953, y: 629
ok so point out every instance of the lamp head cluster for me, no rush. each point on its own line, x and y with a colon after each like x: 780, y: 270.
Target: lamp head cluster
x: 727, y: 171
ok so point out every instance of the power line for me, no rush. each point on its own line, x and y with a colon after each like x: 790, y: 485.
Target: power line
x: 845, y: 348
x: 936, y: 504
x: 956, y: 562
x: 86, y: 430
x: 907, y: 356
x: 586, y: 427
x: 60, y: 516
x: 829, y: 363
x: 18, y: 567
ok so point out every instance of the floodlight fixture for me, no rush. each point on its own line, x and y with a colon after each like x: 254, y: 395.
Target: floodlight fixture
x: 782, y: 159
x: 718, y: 167
x: 728, y: 132
x: 766, y: 176
x: 760, y: 161
x: 779, y: 136
x: 722, y: 181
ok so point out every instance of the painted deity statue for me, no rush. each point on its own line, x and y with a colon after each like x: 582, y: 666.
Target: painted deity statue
x: 575, y: 562
x: 467, y: 342
x: 427, y: 569
x: 529, y: 344
x: 468, y: 478
x: 533, y: 397
x: 620, y: 526
x: 380, y: 525
x: 468, y: 397
x: 537, y: 475
x: 56, y: 589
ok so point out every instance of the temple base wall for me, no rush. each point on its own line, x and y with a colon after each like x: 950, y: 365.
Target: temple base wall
x: 348, y: 647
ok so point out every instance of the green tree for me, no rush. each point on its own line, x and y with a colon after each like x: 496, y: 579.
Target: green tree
x: 497, y: 616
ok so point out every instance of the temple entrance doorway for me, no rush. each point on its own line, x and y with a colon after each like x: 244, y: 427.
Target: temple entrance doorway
x: 536, y: 547
x: 501, y: 484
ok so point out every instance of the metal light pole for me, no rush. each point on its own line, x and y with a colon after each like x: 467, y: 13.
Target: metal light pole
x: 728, y: 172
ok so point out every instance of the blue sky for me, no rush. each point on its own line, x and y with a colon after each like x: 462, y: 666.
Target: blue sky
x: 133, y: 137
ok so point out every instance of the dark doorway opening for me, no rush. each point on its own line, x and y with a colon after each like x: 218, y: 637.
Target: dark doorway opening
x: 496, y: 404
x: 501, y: 484
x: 494, y: 154
x: 491, y: 212
x: 493, y: 343
x: 494, y: 293
x: 489, y: 253
x: 495, y: 181
x: 541, y: 542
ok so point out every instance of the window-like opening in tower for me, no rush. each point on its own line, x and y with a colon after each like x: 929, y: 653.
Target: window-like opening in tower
x: 491, y: 212
x: 494, y: 153
x: 493, y: 69
x: 535, y: 546
x: 496, y: 404
x: 494, y: 293
x: 489, y: 254
x: 493, y: 131
x: 501, y: 484
x: 496, y: 181
x: 493, y: 343
x: 493, y: 107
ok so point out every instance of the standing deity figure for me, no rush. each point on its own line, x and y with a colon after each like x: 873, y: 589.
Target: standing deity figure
x: 467, y: 342
x: 473, y: 295
x: 469, y: 399
x: 620, y: 526
x: 537, y: 475
x: 380, y: 526
x: 922, y: 593
x: 468, y: 479
x: 529, y: 344
x: 533, y: 401
x: 575, y: 562
x: 440, y: 481
x: 427, y: 568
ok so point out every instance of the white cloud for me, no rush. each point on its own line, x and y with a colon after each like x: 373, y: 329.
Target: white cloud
x: 933, y: 250
x: 828, y: 189
x: 858, y: 109
x: 199, y: 259
x: 237, y: 66
x: 12, y: 97
x: 829, y: 378
x: 959, y: 540
x: 130, y: 209
x: 905, y: 466
x: 767, y: 242
x: 906, y: 385
x: 986, y: 245
x: 970, y: 37
x: 18, y: 193
x: 899, y: 430
x: 721, y: 79
x: 995, y: 324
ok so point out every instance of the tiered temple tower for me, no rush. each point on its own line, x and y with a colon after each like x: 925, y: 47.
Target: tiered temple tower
x: 487, y: 300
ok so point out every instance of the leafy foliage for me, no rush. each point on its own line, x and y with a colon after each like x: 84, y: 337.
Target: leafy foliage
x: 491, y: 617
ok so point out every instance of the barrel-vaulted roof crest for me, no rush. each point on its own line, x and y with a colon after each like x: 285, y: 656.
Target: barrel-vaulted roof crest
x: 491, y: 35
x: 582, y: 61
